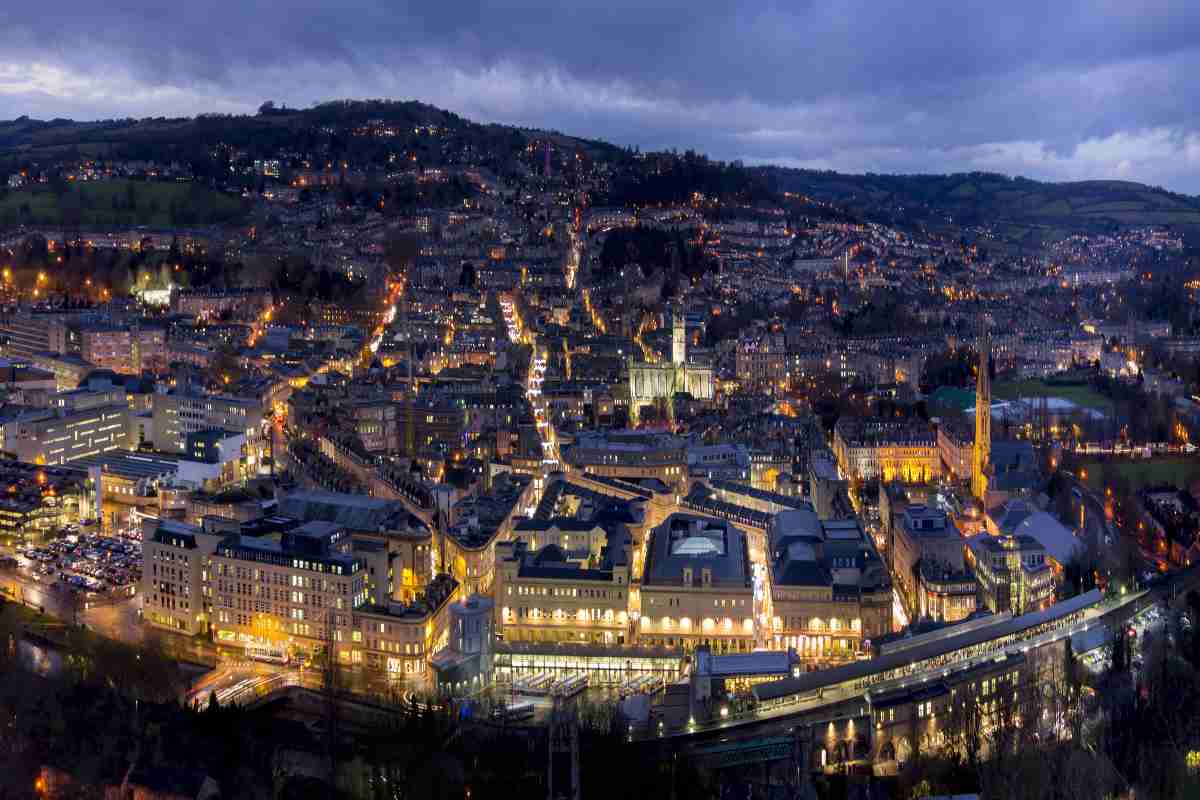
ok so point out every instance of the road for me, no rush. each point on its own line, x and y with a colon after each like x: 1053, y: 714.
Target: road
x: 49, y: 598
x: 241, y: 681
x: 1095, y: 522
x: 1098, y: 528
x: 518, y: 332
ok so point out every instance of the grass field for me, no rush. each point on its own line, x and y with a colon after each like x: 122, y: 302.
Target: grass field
x: 119, y: 203
x: 1080, y: 395
x: 1178, y: 471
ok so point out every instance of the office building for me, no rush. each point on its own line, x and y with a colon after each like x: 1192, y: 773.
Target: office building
x: 298, y: 585
x: 928, y: 565
x: 176, y: 565
x: 181, y: 412
x: 59, y: 435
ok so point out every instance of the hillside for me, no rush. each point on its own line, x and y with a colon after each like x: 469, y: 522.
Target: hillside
x: 367, y: 130
x: 371, y: 133
x: 1014, y: 208
x: 120, y: 203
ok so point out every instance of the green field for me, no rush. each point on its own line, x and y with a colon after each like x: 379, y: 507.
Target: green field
x: 158, y: 204
x: 1077, y: 393
x: 1178, y: 471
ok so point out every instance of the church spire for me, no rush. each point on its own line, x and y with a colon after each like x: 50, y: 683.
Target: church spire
x: 983, y: 422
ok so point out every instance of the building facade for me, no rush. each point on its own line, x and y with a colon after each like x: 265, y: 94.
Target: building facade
x: 874, y: 447
x: 697, y: 587
x: 830, y: 590
x: 1012, y: 573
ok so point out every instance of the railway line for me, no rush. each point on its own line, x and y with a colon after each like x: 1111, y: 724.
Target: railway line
x: 778, y: 705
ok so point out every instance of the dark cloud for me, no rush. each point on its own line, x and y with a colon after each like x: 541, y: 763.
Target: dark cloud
x: 1057, y: 90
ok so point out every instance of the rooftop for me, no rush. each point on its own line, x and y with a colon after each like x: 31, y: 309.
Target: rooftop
x: 697, y: 543
x: 133, y: 466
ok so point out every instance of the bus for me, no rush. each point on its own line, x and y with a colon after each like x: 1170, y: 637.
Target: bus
x: 569, y: 687
x: 539, y: 684
x: 515, y: 712
x: 269, y: 653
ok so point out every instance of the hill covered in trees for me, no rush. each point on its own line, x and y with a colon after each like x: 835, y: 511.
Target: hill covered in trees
x: 1014, y: 208
x: 373, y: 134
x: 367, y: 132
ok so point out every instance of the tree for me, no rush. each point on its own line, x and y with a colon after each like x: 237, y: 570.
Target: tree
x: 400, y: 251
x: 1119, y: 654
x: 468, y: 278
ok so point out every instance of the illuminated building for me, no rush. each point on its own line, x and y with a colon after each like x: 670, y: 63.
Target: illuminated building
x: 558, y: 595
x: 927, y: 564
x: 69, y: 370
x: 830, y: 590
x: 885, y: 448
x: 697, y: 587
x: 633, y: 456
x: 59, y: 435
x: 957, y: 449
x: 35, y: 500
x: 184, y: 411
x: 176, y: 560
x: 649, y: 383
x: 399, y: 639
x: 123, y: 349
x: 480, y: 523
x: 1013, y: 573
x: 944, y: 594
x: 298, y: 585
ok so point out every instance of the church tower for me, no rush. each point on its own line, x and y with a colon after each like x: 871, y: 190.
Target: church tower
x: 983, y: 423
x: 678, y: 339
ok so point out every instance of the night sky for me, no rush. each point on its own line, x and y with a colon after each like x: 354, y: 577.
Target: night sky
x: 1056, y: 90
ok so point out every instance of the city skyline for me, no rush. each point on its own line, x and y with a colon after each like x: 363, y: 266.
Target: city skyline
x: 361, y: 448
x: 1092, y: 93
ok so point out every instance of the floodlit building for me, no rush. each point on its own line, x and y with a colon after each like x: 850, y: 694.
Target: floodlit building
x: 888, y: 449
x: 697, y: 586
x: 830, y: 590
x: 1013, y: 573
x: 554, y: 594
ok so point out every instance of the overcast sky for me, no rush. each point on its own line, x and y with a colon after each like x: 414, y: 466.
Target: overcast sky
x: 1055, y: 90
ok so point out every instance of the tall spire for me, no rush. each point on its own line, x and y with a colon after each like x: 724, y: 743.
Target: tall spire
x: 983, y: 422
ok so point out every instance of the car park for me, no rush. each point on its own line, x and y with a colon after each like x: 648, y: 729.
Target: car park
x: 87, y: 562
